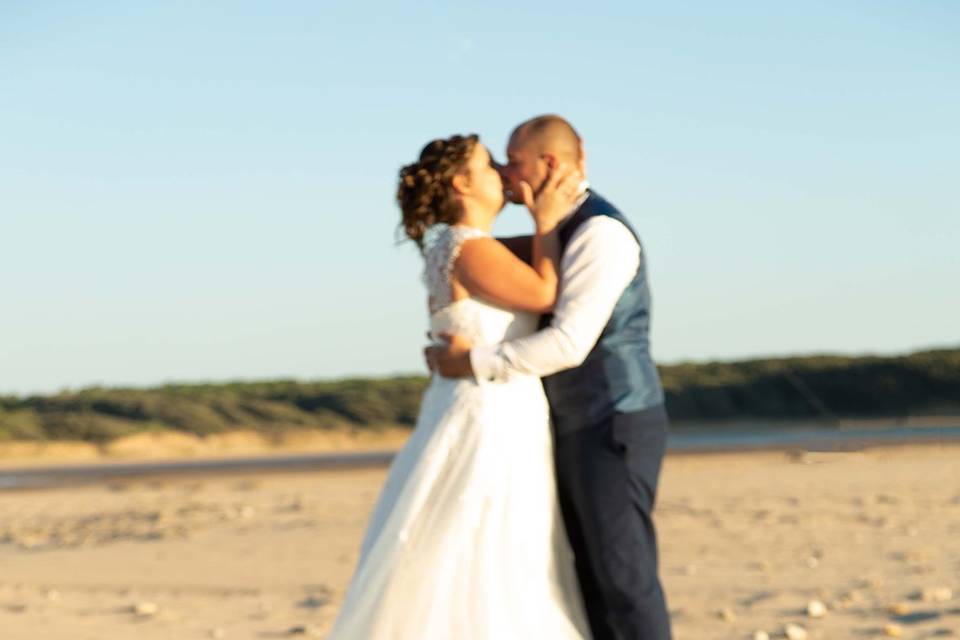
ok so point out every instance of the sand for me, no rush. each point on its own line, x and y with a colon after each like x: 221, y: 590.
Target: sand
x: 168, y: 444
x: 748, y: 542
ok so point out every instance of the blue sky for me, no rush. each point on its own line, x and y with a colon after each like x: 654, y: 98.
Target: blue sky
x: 204, y: 191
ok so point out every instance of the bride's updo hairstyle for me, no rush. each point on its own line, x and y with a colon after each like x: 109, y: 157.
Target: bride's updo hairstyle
x: 425, y: 193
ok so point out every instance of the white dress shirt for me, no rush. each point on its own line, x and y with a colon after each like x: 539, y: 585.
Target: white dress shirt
x: 600, y: 260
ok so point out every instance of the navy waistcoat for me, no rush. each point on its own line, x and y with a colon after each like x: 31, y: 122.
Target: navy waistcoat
x: 618, y: 374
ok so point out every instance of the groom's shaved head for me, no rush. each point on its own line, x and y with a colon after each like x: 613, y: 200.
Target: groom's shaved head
x: 549, y: 134
x: 536, y: 147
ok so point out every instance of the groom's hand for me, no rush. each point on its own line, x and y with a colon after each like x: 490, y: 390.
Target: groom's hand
x: 451, y: 360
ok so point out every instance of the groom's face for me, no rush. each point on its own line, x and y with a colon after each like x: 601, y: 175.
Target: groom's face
x: 525, y: 163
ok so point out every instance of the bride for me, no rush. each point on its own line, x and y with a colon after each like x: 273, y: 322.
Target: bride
x: 466, y: 541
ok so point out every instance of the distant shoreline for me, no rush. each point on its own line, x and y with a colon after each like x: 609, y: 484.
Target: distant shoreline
x: 174, y: 444
x: 30, y: 465
x: 51, y: 476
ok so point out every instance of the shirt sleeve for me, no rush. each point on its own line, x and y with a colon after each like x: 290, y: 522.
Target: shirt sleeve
x: 600, y: 260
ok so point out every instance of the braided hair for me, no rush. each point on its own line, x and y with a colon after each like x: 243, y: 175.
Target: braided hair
x: 425, y: 192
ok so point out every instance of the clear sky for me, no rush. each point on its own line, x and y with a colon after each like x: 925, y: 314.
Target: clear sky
x: 204, y: 190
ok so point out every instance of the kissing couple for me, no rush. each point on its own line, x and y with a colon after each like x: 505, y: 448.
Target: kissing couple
x: 520, y: 507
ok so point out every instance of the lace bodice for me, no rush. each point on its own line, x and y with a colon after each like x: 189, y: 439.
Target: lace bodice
x: 441, y: 247
x: 479, y: 321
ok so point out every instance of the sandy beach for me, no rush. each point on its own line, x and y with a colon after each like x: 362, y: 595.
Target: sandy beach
x: 841, y: 545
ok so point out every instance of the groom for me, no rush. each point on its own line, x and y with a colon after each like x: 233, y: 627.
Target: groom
x: 606, y: 402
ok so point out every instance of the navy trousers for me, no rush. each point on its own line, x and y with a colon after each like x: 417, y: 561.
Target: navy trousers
x: 607, y: 483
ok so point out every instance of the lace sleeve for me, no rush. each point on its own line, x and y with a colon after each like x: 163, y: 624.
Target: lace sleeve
x: 441, y: 246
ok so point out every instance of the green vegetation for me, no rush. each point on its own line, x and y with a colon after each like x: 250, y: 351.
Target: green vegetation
x: 820, y: 387
x: 826, y: 387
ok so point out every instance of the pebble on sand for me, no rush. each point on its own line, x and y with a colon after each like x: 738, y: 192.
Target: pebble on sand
x: 893, y: 631
x: 761, y: 635
x: 146, y: 609
x: 816, y: 609
x: 795, y: 632
x: 899, y: 609
x: 936, y: 594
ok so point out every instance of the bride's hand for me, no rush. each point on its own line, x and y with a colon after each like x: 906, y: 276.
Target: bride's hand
x: 555, y: 198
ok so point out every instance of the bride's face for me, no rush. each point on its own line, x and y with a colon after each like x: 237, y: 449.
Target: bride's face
x: 485, y: 184
x: 525, y: 163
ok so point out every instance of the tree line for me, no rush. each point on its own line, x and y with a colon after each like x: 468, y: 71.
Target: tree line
x: 824, y: 388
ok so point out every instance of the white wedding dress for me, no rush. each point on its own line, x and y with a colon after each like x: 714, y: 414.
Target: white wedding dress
x: 466, y: 541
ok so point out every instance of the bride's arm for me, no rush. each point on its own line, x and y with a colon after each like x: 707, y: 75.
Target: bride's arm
x: 488, y: 269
